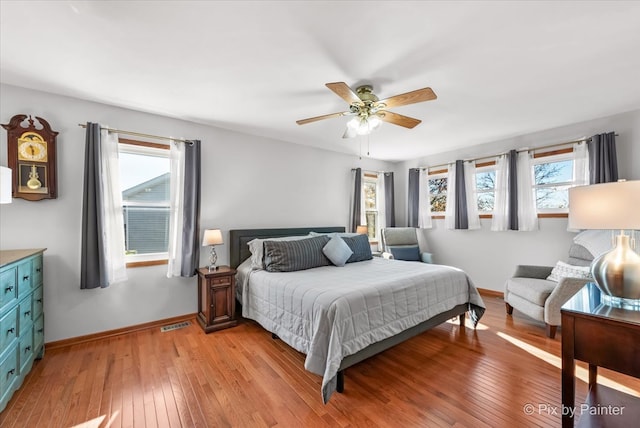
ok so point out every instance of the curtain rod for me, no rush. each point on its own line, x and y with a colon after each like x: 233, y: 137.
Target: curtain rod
x: 370, y: 171
x: 139, y: 134
x: 517, y: 151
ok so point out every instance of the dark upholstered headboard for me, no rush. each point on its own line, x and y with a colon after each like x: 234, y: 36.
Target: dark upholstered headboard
x: 239, y: 239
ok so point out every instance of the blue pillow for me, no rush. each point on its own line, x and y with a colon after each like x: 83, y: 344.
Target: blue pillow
x: 337, y: 251
x: 360, y: 246
x: 408, y: 253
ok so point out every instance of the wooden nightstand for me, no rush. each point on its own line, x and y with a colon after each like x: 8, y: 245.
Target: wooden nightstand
x: 216, y: 298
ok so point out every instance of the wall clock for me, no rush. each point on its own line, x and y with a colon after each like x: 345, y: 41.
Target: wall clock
x: 32, y: 157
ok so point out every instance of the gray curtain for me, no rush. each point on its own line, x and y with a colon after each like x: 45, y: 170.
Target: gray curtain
x: 513, y: 191
x: 389, y: 200
x: 603, y: 161
x: 355, y: 211
x: 413, y: 198
x: 461, y: 217
x: 93, y: 271
x: 191, y: 212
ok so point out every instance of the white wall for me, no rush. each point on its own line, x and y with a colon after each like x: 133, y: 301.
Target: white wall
x: 247, y: 182
x: 490, y: 257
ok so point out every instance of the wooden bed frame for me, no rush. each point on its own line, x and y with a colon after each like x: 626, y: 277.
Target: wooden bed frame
x: 240, y: 252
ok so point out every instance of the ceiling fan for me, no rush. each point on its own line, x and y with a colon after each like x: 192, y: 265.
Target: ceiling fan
x: 369, y: 111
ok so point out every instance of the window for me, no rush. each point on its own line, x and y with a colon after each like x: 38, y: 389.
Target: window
x: 144, y: 180
x: 553, y: 176
x: 438, y: 192
x: 486, y: 187
x: 370, y: 187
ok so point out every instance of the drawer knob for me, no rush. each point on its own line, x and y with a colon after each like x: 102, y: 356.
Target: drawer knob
x: 27, y: 349
x: 40, y: 330
x: 27, y: 313
x: 10, y: 372
x: 38, y: 270
x: 9, y: 289
x: 39, y: 300
x: 26, y: 277
x: 11, y: 330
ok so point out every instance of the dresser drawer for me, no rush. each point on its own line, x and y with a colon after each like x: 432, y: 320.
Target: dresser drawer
x: 8, y: 288
x: 38, y: 333
x: 25, y: 351
x: 225, y: 280
x: 8, y: 328
x: 8, y: 372
x: 36, y: 271
x: 38, y: 302
x: 25, y: 315
x: 24, y: 278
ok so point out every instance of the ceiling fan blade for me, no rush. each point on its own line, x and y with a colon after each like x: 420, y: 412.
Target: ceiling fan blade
x: 417, y: 96
x: 344, y: 92
x: 317, y: 118
x: 398, y: 119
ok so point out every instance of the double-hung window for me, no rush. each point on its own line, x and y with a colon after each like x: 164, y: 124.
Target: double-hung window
x: 553, y: 176
x: 371, y: 204
x: 144, y: 180
x: 486, y: 188
x: 437, y: 181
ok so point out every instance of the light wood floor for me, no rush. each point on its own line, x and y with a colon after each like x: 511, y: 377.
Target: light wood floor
x: 241, y: 377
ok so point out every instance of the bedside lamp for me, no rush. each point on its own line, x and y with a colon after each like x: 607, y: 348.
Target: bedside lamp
x: 212, y: 237
x: 611, y: 206
x: 362, y: 230
x: 5, y: 185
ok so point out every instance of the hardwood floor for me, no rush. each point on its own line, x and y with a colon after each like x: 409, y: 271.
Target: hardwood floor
x: 241, y: 377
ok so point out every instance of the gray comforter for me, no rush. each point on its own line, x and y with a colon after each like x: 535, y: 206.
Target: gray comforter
x: 331, y: 312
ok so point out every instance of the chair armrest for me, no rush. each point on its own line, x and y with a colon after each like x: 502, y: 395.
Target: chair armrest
x: 426, y: 258
x: 388, y: 256
x: 566, y: 288
x: 528, y: 271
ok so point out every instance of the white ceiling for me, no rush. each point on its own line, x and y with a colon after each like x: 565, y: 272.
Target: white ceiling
x: 500, y: 69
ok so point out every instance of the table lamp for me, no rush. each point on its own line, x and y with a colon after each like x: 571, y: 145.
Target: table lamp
x: 212, y: 237
x: 362, y: 230
x: 614, y: 206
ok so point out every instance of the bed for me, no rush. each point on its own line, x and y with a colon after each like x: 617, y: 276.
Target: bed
x: 339, y: 316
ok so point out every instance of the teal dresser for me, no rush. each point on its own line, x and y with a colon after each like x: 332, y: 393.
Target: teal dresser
x: 21, y: 317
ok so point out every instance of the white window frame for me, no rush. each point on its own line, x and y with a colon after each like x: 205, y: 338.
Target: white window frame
x: 435, y: 176
x: 479, y: 170
x: 552, y: 158
x: 145, y: 149
x: 369, y: 178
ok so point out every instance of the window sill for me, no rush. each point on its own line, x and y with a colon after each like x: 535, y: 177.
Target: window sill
x: 147, y: 263
x: 541, y: 215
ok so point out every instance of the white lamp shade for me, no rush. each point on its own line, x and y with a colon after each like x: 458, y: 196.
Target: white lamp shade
x: 361, y: 230
x: 5, y: 185
x: 605, y: 206
x: 212, y: 237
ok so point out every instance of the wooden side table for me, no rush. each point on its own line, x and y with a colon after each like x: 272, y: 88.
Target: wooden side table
x: 601, y: 336
x: 216, y: 298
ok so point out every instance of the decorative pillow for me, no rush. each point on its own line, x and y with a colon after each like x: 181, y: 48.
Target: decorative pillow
x: 410, y: 253
x: 565, y: 270
x: 256, y: 246
x: 337, y: 251
x: 360, y: 246
x: 289, y: 256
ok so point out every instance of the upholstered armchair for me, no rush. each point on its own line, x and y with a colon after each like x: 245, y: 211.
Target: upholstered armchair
x: 530, y: 292
x: 402, y: 243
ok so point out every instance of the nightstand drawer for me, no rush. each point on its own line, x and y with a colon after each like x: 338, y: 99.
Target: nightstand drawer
x: 225, y: 280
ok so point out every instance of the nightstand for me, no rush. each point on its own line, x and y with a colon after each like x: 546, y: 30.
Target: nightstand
x: 216, y: 298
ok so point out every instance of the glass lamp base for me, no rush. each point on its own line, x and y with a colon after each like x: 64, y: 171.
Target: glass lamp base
x: 620, y: 302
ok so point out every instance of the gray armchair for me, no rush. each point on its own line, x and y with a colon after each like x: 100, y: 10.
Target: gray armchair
x: 531, y: 293
x: 402, y: 243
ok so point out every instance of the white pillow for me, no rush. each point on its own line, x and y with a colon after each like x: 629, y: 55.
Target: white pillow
x: 257, y: 249
x: 565, y: 270
x: 337, y: 251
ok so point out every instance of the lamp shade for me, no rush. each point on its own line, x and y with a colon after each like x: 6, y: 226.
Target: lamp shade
x: 5, y: 185
x: 212, y: 237
x: 605, y: 206
x: 361, y: 230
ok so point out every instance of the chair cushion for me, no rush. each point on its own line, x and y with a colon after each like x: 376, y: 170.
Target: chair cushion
x: 400, y: 236
x: 534, y: 290
x: 405, y: 252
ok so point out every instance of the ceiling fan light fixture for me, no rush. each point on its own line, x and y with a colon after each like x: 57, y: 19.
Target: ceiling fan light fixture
x: 364, y: 125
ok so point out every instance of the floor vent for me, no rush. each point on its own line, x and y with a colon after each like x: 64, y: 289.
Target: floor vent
x: 175, y: 326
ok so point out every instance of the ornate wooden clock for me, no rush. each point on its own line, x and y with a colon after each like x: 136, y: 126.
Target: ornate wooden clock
x: 32, y: 157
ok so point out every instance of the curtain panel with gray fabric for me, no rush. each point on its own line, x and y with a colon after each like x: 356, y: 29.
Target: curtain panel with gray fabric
x: 413, y: 198
x: 93, y: 269
x: 513, y: 190
x: 603, y: 160
x: 461, y: 216
x: 355, y: 210
x: 389, y: 200
x: 191, y: 212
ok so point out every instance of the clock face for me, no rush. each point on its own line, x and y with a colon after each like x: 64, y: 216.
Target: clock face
x: 32, y: 147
